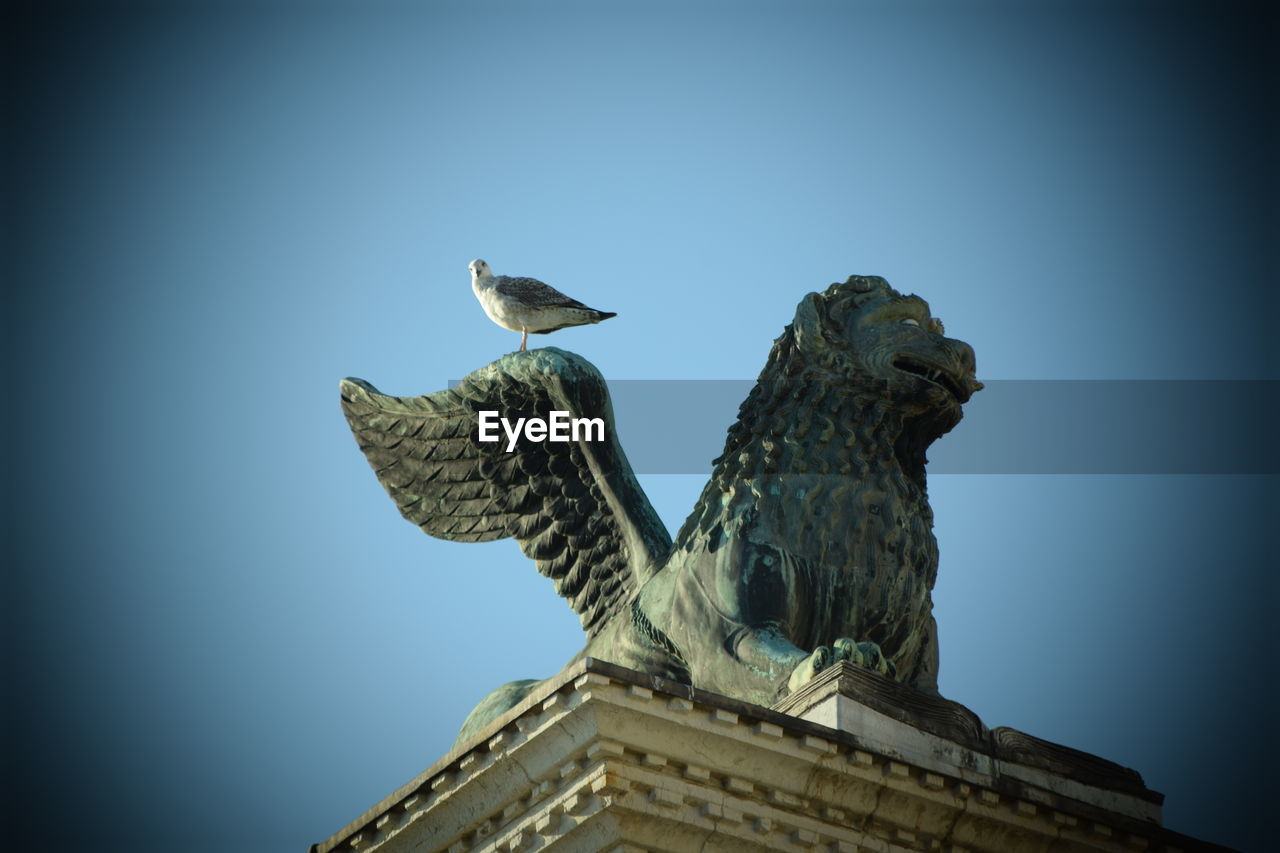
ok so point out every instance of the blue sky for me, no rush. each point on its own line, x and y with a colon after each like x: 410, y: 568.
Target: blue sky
x: 219, y: 621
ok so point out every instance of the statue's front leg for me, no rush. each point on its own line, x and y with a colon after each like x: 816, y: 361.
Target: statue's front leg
x: 866, y: 654
x: 767, y: 652
x: 750, y: 600
x: 774, y: 592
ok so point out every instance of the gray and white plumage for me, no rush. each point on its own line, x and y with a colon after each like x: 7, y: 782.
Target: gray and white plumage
x: 527, y: 305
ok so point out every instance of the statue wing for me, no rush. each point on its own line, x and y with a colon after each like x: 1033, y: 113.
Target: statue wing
x: 575, y: 507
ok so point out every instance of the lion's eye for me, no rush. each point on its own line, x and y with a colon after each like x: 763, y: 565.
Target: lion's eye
x: 910, y: 322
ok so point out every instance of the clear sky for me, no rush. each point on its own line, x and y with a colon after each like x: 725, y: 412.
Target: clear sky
x: 221, y: 633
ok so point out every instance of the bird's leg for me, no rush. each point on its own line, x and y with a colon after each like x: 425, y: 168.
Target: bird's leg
x: 524, y: 339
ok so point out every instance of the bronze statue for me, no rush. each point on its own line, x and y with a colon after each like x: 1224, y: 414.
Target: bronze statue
x: 812, y: 542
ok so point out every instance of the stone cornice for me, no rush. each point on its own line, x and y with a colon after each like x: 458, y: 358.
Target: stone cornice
x: 600, y: 757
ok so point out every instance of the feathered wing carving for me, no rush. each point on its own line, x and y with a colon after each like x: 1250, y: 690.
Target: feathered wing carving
x: 575, y: 507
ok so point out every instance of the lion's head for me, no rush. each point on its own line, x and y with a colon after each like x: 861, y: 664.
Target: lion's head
x: 868, y: 335
x: 870, y: 362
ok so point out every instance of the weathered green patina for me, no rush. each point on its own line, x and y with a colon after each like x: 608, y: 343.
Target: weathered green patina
x: 812, y: 542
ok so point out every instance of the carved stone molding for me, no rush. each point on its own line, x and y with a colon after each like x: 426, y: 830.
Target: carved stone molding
x: 601, y: 758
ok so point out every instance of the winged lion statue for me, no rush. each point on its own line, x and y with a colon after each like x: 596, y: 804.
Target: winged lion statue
x: 811, y: 543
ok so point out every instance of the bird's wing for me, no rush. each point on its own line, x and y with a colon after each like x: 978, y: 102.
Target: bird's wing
x: 534, y: 294
x: 575, y: 507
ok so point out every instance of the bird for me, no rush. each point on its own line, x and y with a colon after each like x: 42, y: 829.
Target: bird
x: 527, y: 305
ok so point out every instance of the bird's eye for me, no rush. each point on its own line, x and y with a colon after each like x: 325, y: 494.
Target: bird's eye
x: 910, y: 321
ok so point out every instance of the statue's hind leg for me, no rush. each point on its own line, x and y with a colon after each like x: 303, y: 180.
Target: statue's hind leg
x: 493, y: 706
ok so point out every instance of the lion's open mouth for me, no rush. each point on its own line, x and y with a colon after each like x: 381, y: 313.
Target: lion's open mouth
x: 933, y: 374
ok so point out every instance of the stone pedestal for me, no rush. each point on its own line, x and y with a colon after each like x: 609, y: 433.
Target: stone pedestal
x: 601, y: 758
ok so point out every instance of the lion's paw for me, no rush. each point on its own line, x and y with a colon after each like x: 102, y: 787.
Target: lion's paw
x: 865, y: 654
x: 816, y: 662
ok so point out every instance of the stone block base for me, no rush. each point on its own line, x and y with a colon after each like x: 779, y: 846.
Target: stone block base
x: 601, y: 758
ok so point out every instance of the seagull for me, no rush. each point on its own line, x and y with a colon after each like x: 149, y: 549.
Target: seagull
x: 527, y: 305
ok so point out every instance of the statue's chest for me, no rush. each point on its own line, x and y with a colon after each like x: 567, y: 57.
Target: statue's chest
x: 854, y: 534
